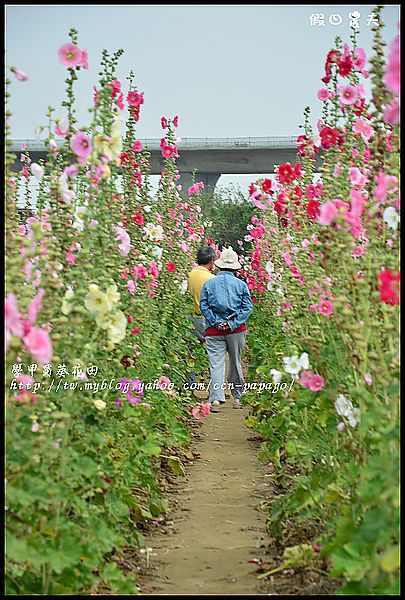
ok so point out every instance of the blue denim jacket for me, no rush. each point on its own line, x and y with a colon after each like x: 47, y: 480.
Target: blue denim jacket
x: 225, y: 298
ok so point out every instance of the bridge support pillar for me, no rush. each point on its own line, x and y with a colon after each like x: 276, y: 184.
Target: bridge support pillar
x: 209, y: 180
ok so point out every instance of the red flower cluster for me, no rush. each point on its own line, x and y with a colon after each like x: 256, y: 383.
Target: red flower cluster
x: 389, y: 286
x: 306, y: 146
x: 329, y: 137
x: 286, y: 173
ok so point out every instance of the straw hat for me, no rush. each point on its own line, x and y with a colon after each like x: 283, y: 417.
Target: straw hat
x: 228, y: 259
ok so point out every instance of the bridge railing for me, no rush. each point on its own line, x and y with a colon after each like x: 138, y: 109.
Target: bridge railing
x: 186, y: 143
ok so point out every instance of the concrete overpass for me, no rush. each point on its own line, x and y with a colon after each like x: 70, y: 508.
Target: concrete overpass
x: 209, y: 157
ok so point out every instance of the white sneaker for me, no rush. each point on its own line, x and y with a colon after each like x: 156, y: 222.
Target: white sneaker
x: 215, y: 406
x: 237, y: 404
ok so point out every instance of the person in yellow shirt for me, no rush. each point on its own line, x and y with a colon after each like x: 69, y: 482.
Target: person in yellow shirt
x: 196, y: 279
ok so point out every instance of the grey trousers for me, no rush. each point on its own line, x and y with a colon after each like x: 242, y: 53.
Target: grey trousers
x: 217, y: 347
x: 199, y: 326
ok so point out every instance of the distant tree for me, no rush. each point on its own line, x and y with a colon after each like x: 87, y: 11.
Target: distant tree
x: 227, y: 212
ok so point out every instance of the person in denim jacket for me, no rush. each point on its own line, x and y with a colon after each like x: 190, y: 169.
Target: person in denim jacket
x: 226, y: 305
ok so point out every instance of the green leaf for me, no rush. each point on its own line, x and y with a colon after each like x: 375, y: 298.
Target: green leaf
x: 176, y: 465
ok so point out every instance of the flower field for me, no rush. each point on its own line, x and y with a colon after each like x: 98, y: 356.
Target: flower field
x: 98, y: 341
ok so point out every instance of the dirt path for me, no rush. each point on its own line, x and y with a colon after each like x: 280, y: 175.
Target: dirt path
x: 216, y: 527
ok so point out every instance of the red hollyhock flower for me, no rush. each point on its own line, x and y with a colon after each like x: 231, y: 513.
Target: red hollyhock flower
x: 313, y: 209
x: 266, y: 186
x: 252, y: 189
x: 298, y: 191
x: 345, y: 66
x: 358, y: 107
x: 297, y: 170
x: 286, y: 173
x: 138, y: 219
x: 329, y: 137
x: 389, y: 287
x: 171, y: 267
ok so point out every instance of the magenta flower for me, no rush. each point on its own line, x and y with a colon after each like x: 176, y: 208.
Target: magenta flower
x: 359, y: 59
x: 316, y: 383
x: 39, y: 345
x: 20, y: 75
x: 70, y: 55
x: 164, y: 123
x: 81, y: 146
x: 323, y: 94
x: 137, y: 146
x: 348, y: 94
x: 391, y: 112
x: 325, y: 307
x: 135, y: 98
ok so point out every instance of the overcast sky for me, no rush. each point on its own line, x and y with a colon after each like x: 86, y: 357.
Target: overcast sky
x: 226, y: 70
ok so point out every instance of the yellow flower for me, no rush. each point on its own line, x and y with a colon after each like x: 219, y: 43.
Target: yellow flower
x: 100, y: 404
x: 112, y: 294
x: 117, y: 328
x: 66, y: 308
x: 93, y: 288
x: 110, y: 346
x: 97, y: 302
x: 103, y: 320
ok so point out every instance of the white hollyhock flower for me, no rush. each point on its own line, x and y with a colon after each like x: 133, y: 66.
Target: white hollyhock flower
x: 100, y: 404
x: 37, y: 171
x: 154, y: 232
x: 147, y: 208
x: 183, y: 286
x: 343, y: 406
x: 304, y: 360
x: 292, y: 364
x: 276, y: 375
x: 269, y: 267
x: 354, y: 417
x: 391, y: 217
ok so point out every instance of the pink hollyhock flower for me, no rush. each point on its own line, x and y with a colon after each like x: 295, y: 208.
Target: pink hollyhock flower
x: 115, y: 86
x: 35, y: 305
x: 164, y: 123
x: 35, y: 427
x: 340, y: 426
x: 163, y: 383
x: 135, y: 98
x: 305, y: 378
x: 70, y: 55
x: 125, y: 246
x: 325, y: 307
x: 120, y: 102
x: 392, y: 73
x: 358, y: 203
x: 25, y: 380
x: 131, y: 286
x: 62, y: 127
x: 391, y: 112
x: 310, y: 191
x: 25, y: 172
x: 153, y: 270
x: 137, y: 146
x: 356, y: 177
x: 12, y: 316
x: 358, y: 251
x: 176, y: 121
x: 201, y: 411
x: 323, y: 94
x: 359, y: 59
x: 39, y: 345
x: 364, y: 128
x: 71, y: 171
x: 287, y: 258
x: 20, y: 75
x: 168, y: 151
x: 81, y: 146
x: 348, y: 94
x: 328, y: 212
x: 84, y: 59
x: 368, y: 378
x: 316, y: 383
